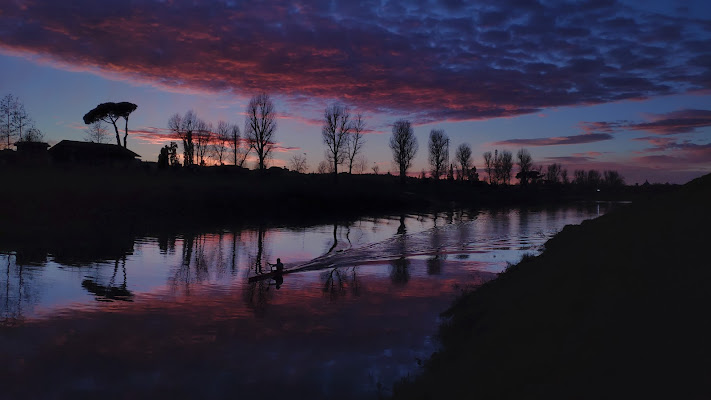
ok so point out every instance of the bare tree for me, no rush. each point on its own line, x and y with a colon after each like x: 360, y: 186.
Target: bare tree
x: 360, y: 165
x: 488, y: 164
x: 403, y: 144
x: 96, y: 133
x: 525, y: 163
x: 335, y: 134
x: 111, y: 113
x: 580, y: 177
x: 375, y: 168
x: 261, y: 126
x: 553, y: 173
x: 238, y: 152
x: 356, y: 141
x: 613, y: 178
x: 298, y: 163
x: 21, y: 119
x: 203, y: 137
x: 220, y: 141
x: 185, y: 127
x: 502, y: 166
x: 8, y: 104
x: 324, y: 167
x: 564, y: 176
x: 594, y: 177
x: 464, y: 158
x: 33, y: 135
x: 439, y: 152
x: 505, y: 166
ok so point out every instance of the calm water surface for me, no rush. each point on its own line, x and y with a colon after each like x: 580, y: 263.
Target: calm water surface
x: 176, y: 314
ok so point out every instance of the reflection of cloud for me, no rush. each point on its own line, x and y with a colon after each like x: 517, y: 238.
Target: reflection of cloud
x: 398, y: 56
x: 299, y: 338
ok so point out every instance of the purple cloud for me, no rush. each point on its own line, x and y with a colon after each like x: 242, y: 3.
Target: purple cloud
x: 555, y: 141
x: 676, y: 122
x: 447, y: 60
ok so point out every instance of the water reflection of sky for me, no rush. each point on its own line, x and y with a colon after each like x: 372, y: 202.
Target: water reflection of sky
x: 176, y: 313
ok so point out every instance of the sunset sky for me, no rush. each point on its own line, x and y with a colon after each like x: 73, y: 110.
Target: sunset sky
x: 603, y: 84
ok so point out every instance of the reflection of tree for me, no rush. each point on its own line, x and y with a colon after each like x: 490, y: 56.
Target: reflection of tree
x: 402, y: 229
x: 202, y: 257
x: 19, y: 289
x: 166, y: 243
x: 399, y: 273
x: 258, y: 267
x: 338, y: 282
x: 257, y: 297
x: 334, y: 284
x: 111, y: 291
x: 434, y: 264
x: 335, y: 238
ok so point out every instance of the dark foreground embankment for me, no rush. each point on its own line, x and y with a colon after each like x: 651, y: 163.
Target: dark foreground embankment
x: 615, y: 308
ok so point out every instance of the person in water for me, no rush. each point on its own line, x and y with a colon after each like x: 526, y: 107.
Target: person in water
x: 278, y: 278
x: 278, y: 267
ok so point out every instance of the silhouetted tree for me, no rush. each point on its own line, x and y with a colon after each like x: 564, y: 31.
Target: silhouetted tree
x: 335, y: 134
x: 260, y: 126
x: 220, y: 141
x: 564, y: 176
x: 96, y: 133
x: 375, y: 168
x: 111, y: 113
x: 403, y: 144
x: 553, y: 173
x: 203, y: 137
x: 450, y: 173
x: 594, y: 177
x: 473, y: 176
x: 21, y: 120
x: 298, y: 163
x: 163, y: 157
x: 238, y: 152
x: 580, y: 177
x: 613, y: 178
x: 525, y: 164
x: 489, y: 165
x: 355, y: 141
x: 8, y: 104
x: 32, y: 135
x: 361, y: 164
x: 173, y: 155
x: 502, y: 164
x: 324, y: 167
x: 464, y: 158
x: 168, y: 156
x: 438, y: 146
x: 184, y: 128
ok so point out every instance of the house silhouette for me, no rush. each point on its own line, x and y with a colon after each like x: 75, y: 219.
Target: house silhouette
x: 95, y: 154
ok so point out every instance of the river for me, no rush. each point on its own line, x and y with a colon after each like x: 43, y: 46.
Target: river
x: 177, y: 314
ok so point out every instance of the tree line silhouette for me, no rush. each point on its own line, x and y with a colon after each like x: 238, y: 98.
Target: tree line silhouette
x: 342, y: 135
x: 16, y: 124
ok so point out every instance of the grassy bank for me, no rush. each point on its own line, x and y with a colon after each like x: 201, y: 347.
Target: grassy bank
x: 614, y: 308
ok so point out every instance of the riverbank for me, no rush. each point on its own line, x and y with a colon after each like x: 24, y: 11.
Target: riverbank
x: 614, y: 308
x: 86, y: 199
